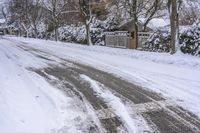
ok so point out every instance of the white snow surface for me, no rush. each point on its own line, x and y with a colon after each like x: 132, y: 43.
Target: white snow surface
x: 28, y: 104
x: 176, y: 77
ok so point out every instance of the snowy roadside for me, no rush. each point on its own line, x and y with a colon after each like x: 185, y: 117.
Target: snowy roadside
x: 29, y: 104
x: 176, y: 77
x: 179, y: 59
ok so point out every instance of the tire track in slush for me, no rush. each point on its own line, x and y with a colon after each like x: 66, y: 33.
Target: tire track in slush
x: 111, y: 124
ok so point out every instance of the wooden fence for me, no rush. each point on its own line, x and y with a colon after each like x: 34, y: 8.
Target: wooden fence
x: 123, y: 39
x: 118, y: 39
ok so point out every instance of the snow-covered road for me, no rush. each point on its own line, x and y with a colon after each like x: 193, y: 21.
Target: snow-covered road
x: 26, y: 97
x: 28, y: 104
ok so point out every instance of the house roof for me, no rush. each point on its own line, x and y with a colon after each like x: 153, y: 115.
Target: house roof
x: 128, y: 26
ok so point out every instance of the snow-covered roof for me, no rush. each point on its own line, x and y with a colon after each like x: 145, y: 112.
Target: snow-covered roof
x: 156, y: 23
x: 2, y: 21
x: 128, y: 26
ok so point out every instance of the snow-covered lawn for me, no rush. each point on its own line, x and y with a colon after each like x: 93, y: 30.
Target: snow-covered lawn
x: 177, y: 77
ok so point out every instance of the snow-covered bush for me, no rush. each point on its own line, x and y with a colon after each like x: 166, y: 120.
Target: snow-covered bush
x: 97, y: 32
x: 159, y: 41
x: 72, y: 34
x: 41, y: 31
x: 190, y: 40
x: 77, y: 34
x: 111, y: 23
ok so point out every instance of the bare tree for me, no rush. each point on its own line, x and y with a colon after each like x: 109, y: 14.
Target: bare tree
x: 86, y: 14
x: 189, y: 12
x: 56, y: 9
x: 151, y: 12
x: 18, y: 13
x: 147, y: 9
x: 34, y: 15
x: 4, y: 14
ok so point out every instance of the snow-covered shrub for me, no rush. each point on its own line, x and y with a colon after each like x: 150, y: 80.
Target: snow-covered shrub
x: 97, y: 36
x: 97, y: 32
x: 77, y: 34
x: 111, y: 23
x: 159, y: 41
x: 41, y: 31
x: 72, y: 33
x: 190, y: 40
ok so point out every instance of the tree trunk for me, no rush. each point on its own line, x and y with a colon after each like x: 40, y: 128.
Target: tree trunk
x: 35, y: 31
x: 87, y: 28
x: 56, y: 33
x: 145, y: 27
x: 177, y: 32
x: 135, y: 21
x: 136, y: 34
x: 173, y: 15
x: 86, y: 20
x: 88, y: 37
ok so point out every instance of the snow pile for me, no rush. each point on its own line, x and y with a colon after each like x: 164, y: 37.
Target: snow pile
x: 115, y: 103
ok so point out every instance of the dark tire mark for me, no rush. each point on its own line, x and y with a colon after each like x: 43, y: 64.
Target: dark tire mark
x: 166, y: 123
x: 193, y: 119
x: 129, y: 90
x: 111, y: 122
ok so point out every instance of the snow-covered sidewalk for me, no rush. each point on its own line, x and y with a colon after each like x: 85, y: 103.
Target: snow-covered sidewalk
x: 174, y: 76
